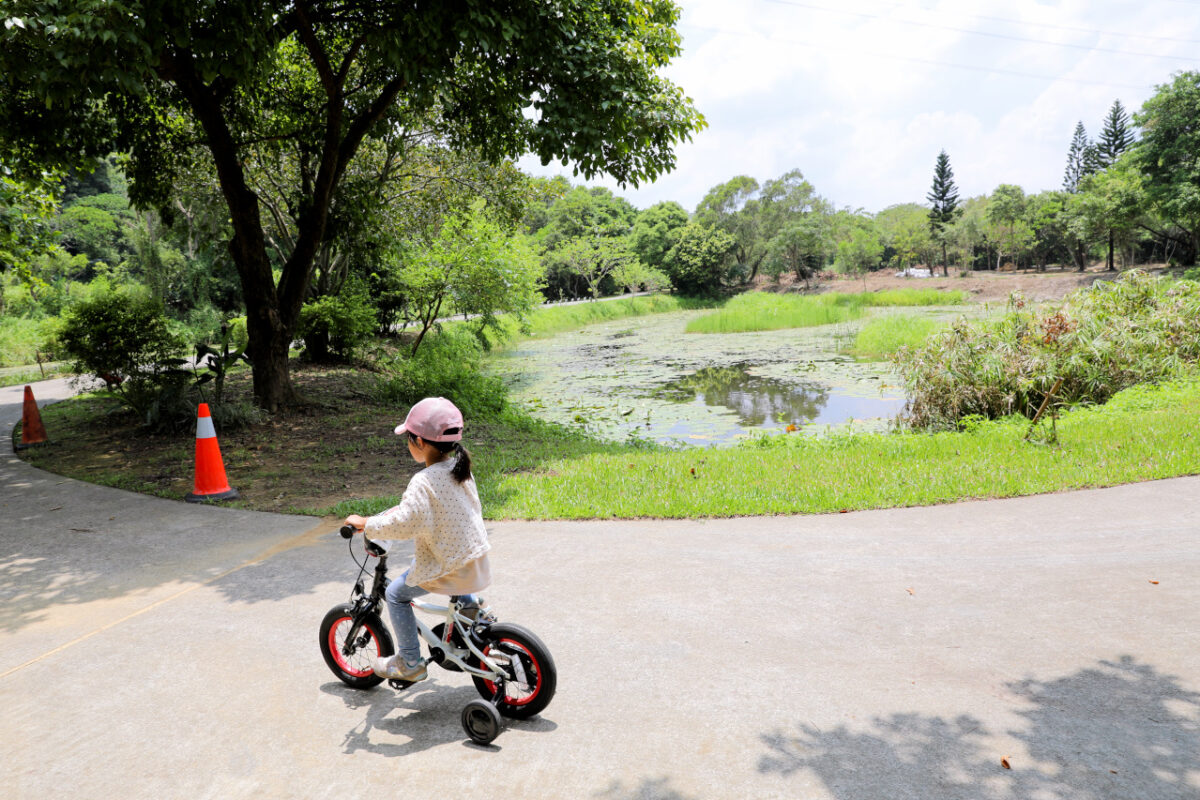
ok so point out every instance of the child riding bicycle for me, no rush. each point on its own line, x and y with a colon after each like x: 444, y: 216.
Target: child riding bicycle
x: 440, y: 512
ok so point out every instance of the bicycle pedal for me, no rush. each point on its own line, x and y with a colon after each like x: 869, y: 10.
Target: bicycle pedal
x: 398, y: 684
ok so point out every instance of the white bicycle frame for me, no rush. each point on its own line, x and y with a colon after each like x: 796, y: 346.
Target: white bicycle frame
x: 455, y: 655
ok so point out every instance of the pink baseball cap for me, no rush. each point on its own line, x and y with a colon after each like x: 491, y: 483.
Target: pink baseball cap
x: 434, y: 419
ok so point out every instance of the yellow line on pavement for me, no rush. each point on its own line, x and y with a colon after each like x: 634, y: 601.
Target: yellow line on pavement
x: 303, y: 540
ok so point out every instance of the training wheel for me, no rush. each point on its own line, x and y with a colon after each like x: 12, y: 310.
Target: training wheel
x: 481, y: 721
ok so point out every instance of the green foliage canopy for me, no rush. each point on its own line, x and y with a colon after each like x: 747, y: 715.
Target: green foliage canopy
x: 698, y: 261
x: 171, y: 81
x: 1168, y: 154
x: 474, y: 268
x: 26, y: 208
x: 650, y: 238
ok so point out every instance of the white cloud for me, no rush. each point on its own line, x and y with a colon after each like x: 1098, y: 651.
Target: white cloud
x: 862, y: 104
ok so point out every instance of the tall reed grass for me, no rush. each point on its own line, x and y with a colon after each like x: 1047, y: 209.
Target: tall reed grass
x: 762, y: 311
x: 882, y: 336
x: 1098, y: 341
x: 549, y: 320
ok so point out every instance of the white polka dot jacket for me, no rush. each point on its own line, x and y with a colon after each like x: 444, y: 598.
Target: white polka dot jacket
x: 445, y: 520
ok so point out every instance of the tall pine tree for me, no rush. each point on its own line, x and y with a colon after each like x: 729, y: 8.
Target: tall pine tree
x: 943, y: 197
x: 1082, y: 159
x: 1115, y: 139
x: 1117, y: 136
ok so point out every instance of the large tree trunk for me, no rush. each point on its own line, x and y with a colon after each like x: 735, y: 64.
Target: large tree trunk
x: 945, y: 266
x: 269, y: 327
x: 1111, y: 266
x: 272, y: 376
x: 272, y: 312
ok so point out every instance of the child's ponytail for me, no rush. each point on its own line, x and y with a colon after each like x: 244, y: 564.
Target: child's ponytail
x: 462, y: 457
x: 462, y: 464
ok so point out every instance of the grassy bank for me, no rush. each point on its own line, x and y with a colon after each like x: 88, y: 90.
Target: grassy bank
x: 762, y: 311
x: 1145, y: 433
x: 1099, y: 340
x: 338, y: 449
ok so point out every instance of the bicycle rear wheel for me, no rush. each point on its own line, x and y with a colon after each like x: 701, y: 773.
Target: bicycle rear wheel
x: 530, y: 675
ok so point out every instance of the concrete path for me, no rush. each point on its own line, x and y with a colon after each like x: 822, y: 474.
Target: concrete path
x: 151, y: 649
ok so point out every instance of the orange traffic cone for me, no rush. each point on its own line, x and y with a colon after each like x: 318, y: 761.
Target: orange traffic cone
x: 211, y: 483
x: 32, y: 431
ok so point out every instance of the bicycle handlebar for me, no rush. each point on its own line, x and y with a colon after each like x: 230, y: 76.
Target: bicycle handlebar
x: 373, y: 547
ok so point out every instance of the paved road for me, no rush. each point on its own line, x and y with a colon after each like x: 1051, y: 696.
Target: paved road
x: 151, y: 649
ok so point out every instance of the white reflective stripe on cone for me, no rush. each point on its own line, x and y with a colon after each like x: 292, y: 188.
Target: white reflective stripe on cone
x: 205, y: 428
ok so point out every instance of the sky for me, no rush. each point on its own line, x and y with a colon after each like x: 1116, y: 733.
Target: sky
x: 861, y: 95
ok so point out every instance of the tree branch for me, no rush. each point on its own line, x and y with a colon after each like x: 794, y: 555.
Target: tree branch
x: 344, y: 70
x: 297, y: 272
x: 317, y: 53
x: 177, y: 67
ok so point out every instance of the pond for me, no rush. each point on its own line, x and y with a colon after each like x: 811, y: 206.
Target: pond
x: 644, y: 377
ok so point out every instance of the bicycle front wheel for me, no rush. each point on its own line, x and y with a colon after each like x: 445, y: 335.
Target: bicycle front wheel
x: 352, y: 661
x: 530, y: 674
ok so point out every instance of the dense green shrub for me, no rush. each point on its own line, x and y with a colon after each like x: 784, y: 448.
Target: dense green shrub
x: 699, y: 262
x: 447, y: 365
x: 1098, y: 341
x: 119, y: 336
x: 125, y: 339
x: 335, y: 326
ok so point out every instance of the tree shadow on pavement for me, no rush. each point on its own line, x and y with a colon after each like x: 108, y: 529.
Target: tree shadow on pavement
x: 1117, y: 729
x: 78, y: 561
x: 648, y: 789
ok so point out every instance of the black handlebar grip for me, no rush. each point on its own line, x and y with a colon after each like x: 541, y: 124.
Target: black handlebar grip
x: 347, y: 531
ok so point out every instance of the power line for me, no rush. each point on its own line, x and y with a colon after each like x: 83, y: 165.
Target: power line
x: 1073, y: 28
x: 1094, y: 31
x: 1005, y: 36
x: 927, y: 61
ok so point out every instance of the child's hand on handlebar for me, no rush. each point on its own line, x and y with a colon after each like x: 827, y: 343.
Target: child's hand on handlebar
x: 356, y: 522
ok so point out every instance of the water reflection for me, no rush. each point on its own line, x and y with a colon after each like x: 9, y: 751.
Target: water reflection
x: 761, y: 401
x: 755, y: 399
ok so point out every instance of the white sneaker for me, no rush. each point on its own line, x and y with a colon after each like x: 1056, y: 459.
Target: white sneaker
x: 396, y: 668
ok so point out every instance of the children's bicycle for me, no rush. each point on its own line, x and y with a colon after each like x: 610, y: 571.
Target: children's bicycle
x: 511, y: 668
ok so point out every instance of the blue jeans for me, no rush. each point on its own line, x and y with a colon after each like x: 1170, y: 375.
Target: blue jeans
x: 399, y: 596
